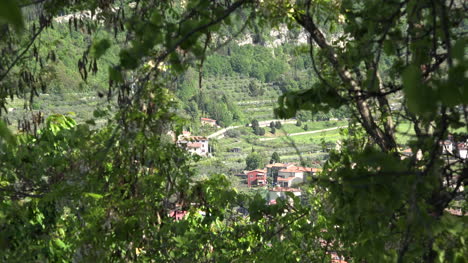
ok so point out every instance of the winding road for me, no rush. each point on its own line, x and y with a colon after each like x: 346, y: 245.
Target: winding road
x: 220, y: 134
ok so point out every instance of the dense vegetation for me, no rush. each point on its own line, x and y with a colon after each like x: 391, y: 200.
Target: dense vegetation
x: 107, y: 191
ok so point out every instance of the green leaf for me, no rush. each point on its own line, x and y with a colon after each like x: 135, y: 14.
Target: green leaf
x: 128, y: 59
x: 60, y: 243
x: 93, y: 195
x: 115, y: 74
x: 458, y: 50
x: 10, y: 13
x: 99, y: 48
x: 420, y: 97
x: 388, y: 47
x: 6, y: 134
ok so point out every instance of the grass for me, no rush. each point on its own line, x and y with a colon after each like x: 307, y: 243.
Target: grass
x: 312, y: 126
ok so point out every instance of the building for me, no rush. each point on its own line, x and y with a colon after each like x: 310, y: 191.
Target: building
x: 462, y: 150
x: 194, y: 144
x: 273, y: 169
x: 256, y: 178
x: 406, y: 153
x: 208, y: 121
x: 289, y: 175
x: 447, y: 147
x: 459, y: 149
x: 280, y: 192
x: 309, y: 171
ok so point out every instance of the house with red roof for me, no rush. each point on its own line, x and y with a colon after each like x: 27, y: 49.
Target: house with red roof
x: 273, y: 169
x: 208, y: 121
x: 194, y: 144
x: 256, y: 178
x: 288, y: 175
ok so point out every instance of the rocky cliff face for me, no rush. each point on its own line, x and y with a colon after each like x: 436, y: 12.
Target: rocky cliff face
x: 277, y: 37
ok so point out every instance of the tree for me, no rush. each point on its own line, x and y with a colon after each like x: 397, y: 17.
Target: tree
x: 255, y: 89
x: 304, y: 116
x: 233, y: 133
x: 253, y: 161
x: 254, y: 123
x: 275, y: 158
x: 188, y: 85
x: 278, y: 125
x: 273, y: 130
x: 299, y: 123
x: 306, y: 127
x: 355, y: 73
x: 259, y: 131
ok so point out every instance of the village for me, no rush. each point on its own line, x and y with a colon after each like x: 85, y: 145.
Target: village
x: 279, y: 178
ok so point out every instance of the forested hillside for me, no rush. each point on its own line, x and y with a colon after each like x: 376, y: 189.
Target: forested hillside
x: 248, y: 79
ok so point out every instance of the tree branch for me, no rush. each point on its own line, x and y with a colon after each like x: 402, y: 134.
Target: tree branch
x: 31, y: 42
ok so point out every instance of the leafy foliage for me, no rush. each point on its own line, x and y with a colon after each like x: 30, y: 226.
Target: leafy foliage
x: 81, y: 193
x: 275, y: 158
x: 253, y: 161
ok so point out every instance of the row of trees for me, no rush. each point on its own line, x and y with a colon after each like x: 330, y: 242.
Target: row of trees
x: 256, y: 160
x: 255, y: 61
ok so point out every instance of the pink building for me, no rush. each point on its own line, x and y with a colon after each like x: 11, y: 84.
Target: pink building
x: 256, y: 177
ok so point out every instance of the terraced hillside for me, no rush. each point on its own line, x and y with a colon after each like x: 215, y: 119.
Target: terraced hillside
x: 311, y: 149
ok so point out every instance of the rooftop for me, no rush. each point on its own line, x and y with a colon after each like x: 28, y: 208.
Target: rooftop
x: 308, y: 169
x: 257, y: 170
x: 194, y: 145
x: 284, y: 189
x: 207, y: 119
x: 291, y: 170
x: 281, y: 179
x: 279, y: 165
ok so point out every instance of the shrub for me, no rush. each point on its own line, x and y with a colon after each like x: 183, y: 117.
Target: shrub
x: 278, y: 125
x: 233, y: 133
x: 261, y: 131
x: 273, y: 130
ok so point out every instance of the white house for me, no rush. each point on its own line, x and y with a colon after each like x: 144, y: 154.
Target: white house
x: 463, y: 150
x: 195, y: 144
x: 447, y: 147
x: 290, y: 176
x: 280, y: 192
